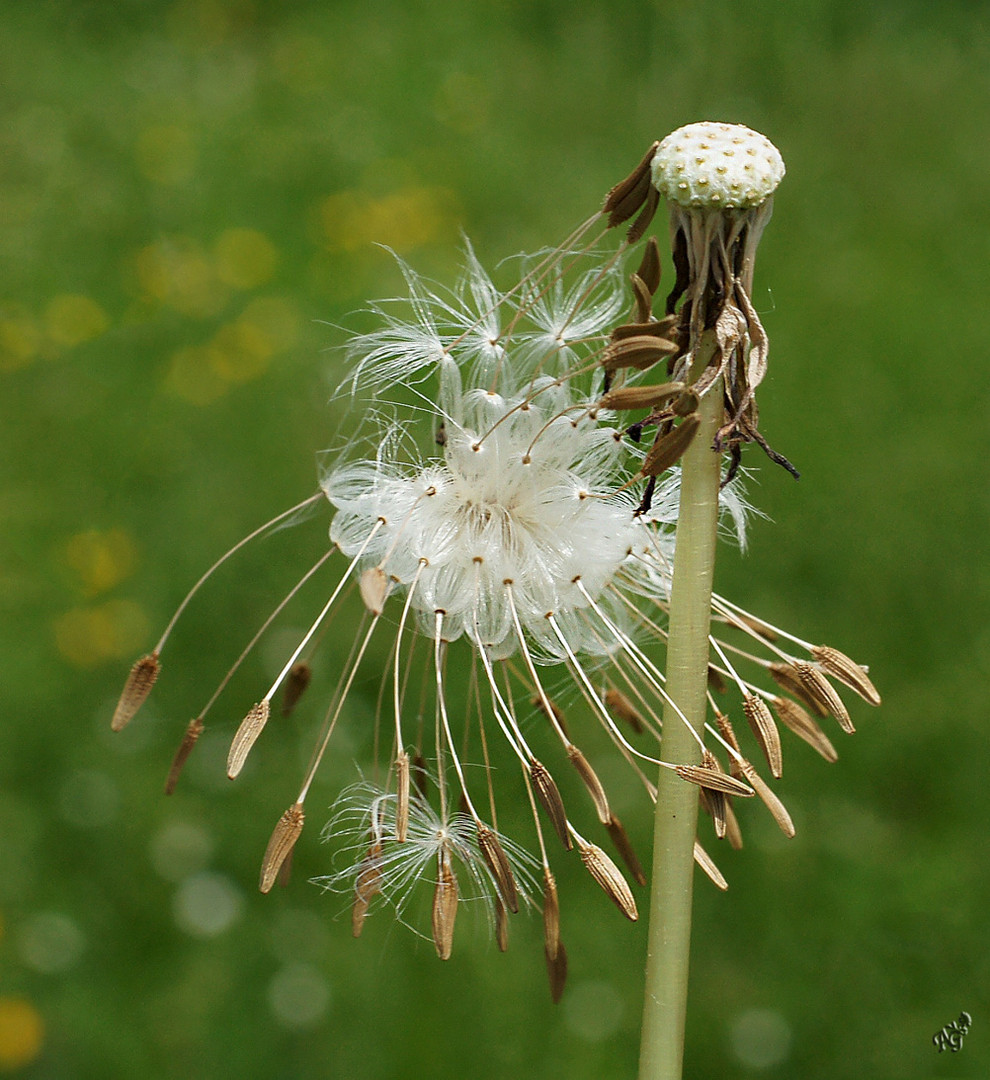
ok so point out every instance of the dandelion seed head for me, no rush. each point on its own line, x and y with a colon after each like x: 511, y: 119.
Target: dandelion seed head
x: 717, y: 165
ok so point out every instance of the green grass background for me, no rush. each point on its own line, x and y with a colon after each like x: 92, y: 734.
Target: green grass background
x: 190, y: 194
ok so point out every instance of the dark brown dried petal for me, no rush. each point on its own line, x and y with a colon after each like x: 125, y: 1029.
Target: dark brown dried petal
x: 247, y: 734
x: 591, y: 782
x: 549, y: 796
x: 623, y: 709
x: 193, y: 732
x: 847, y: 671
x: 762, y: 725
x: 557, y: 972
x: 668, y: 449
x: 623, y: 845
x: 704, y: 860
x: 136, y: 690
x: 664, y: 329
x: 444, y: 909
x: 792, y: 716
x: 642, y: 222
x: 298, y: 680
x: 609, y: 878
x: 283, y: 840
x: 629, y: 194
x: 822, y: 690
x: 498, y: 863
x: 649, y: 267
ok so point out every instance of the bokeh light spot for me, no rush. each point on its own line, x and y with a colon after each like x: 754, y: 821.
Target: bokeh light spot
x: 760, y: 1038
x: 19, y: 338
x: 193, y: 377
x: 275, y: 318
x: 166, y: 154
x: 206, y: 904
x: 101, y: 559
x: 177, y: 272
x: 22, y: 1031
x: 87, y: 636
x: 298, y: 995
x: 406, y: 219
x: 71, y: 319
x: 51, y: 942
x: 245, y: 258
x: 179, y: 849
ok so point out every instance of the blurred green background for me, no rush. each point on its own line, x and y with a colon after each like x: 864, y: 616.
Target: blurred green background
x: 190, y: 196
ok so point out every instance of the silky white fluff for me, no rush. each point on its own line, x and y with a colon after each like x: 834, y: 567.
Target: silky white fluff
x: 526, y: 491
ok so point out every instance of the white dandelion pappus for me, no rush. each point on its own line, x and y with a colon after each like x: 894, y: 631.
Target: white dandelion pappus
x: 507, y: 525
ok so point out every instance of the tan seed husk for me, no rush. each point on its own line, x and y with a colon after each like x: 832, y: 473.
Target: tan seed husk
x: 715, y: 681
x: 623, y: 845
x: 630, y: 398
x: 649, y: 266
x: 820, y: 688
x: 296, y: 683
x: 556, y: 713
x: 366, y: 886
x: 668, y: 449
x: 551, y: 914
x: 704, y: 860
x: 714, y: 803
x: 283, y: 840
x: 498, y: 863
x: 847, y: 671
x: 792, y: 716
x: 444, y: 909
x: 591, y: 782
x: 761, y: 723
x: 193, y: 732
x: 401, y: 796
x: 549, y: 796
x: 686, y: 403
x: 374, y: 589
x: 777, y: 809
x: 623, y: 709
x: 557, y: 972
x: 732, y: 831
x: 609, y: 878
x: 787, y: 678
x: 501, y: 925
x: 247, y: 734
x: 640, y: 352
x: 725, y: 727
x: 713, y: 780
x: 136, y: 690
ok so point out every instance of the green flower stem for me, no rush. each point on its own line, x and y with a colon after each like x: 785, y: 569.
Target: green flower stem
x: 669, y: 932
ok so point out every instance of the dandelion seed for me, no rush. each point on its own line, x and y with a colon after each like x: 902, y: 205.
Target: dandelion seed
x: 510, y: 532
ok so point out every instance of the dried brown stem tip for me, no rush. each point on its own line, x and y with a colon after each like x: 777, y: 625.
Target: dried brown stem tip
x: 136, y: 690
x: 193, y: 732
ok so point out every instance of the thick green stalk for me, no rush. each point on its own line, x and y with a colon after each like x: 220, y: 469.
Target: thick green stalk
x: 669, y: 932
